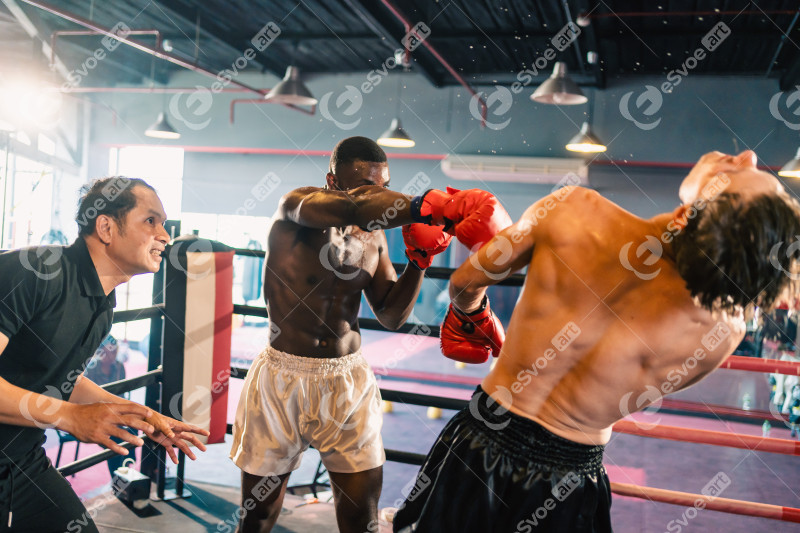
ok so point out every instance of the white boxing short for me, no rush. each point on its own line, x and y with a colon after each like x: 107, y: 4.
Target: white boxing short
x: 290, y: 402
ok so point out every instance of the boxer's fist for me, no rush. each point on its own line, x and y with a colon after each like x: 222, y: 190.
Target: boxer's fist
x: 474, y: 216
x: 429, y: 207
x: 423, y: 242
x: 471, y: 337
x: 478, y: 216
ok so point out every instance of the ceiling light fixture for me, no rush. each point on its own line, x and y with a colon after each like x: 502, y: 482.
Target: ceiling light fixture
x: 161, y: 129
x: 585, y: 141
x: 396, y: 136
x: 291, y: 90
x: 559, y: 89
x: 792, y: 168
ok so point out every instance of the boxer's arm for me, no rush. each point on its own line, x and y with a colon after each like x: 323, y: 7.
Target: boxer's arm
x: 506, y: 253
x: 370, y: 207
x: 392, y: 298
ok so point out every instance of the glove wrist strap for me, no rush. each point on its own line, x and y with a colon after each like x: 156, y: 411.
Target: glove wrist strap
x: 412, y: 262
x: 416, y: 209
x: 482, y: 309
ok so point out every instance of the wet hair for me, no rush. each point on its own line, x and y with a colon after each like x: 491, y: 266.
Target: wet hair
x: 736, y: 253
x: 356, y: 149
x: 112, y: 196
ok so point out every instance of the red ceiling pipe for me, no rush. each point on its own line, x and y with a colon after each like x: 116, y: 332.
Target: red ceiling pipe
x: 56, y: 34
x: 655, y: 164
x: 154, y: 90
x: 166, y: 56
x: 88, y: 24
x: 274, y: 151
x: 441, y: 60
x: 663, y: 14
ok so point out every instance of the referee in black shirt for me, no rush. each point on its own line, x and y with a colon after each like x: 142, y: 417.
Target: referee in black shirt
x: 56, y: 305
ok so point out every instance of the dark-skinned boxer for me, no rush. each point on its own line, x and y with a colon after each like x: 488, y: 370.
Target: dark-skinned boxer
x: 311, y: 385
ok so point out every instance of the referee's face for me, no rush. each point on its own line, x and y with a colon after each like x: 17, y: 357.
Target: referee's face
x: 141, y: 240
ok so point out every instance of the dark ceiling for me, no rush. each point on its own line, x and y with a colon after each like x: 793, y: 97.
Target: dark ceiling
x: 485, y: 41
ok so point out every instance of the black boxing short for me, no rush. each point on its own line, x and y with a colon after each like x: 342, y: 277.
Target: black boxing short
x: 493, y: 470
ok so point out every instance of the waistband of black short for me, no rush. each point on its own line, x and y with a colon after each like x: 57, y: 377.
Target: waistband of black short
x: 529, y: 440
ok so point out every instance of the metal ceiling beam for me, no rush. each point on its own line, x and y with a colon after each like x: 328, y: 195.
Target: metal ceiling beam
x: 228, y: 39
x: 135, y: 44
x: 194, y: 67
x: 593, y: 46
x: 127, y: 69
x: 451, y: 36
x: 33, y: 31
x: 442, y: 61
x: 371, y: 19
x: 575, y: 44
x: 686, y: 34
x: 491, y: 79
x: 783, y: 41
x: 139, y: 46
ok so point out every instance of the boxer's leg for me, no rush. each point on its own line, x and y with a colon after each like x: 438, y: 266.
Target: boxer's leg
x: 265, y: 497
x: 356, y: 496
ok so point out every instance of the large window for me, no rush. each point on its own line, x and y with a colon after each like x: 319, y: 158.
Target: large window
x: 160, y: 166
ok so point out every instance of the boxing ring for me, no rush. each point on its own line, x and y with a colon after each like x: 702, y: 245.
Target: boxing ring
x: 161, y: 384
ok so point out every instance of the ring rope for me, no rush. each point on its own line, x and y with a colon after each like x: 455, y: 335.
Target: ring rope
x: 752, y: 364
x: 725, y: 505
x: 705, y: 436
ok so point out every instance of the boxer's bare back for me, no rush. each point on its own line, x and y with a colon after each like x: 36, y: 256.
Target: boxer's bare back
x: 605, y: 324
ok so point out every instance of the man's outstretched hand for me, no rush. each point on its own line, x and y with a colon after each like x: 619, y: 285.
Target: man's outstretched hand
x: 98, y: 422
x: 171, y: 433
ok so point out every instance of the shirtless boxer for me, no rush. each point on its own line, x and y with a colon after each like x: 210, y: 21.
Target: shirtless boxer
x: 311, y: 385
x: 612, y: 303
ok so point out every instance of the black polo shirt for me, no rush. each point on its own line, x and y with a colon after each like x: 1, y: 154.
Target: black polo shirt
x: 55, y: 313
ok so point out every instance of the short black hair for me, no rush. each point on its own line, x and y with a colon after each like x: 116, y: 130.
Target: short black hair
x: 356, y: 149
x: 737, y: 253
x: 112, y: 196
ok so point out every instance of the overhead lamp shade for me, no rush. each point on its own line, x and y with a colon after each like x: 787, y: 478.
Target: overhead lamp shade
x: 559, y: 89
x: 161, y: 129
x: 291, y: 90
x: 792, y: 168
x: 396, y: 136
x: 586, y: 141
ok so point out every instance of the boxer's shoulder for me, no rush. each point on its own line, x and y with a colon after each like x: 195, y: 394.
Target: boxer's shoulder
x: 293, y: 198
x: 572, y: 198
x: 572, y: 207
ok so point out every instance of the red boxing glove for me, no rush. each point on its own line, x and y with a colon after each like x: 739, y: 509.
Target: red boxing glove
x: 471, y: 337
x: 429, y: 208
x: 474, y: 216
x: 423, y: 242
x: 478, y: 216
